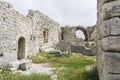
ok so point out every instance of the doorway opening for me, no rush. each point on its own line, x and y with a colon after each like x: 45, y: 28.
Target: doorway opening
x: 21, y: 48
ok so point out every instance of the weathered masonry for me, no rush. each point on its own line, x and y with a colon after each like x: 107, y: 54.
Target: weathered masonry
x: 68, y: 33
x: 23, y: 35
x: 108, y: 26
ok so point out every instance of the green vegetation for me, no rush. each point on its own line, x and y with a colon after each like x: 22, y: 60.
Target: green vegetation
x: 90, y: 75
x: 41, y: 57
x: 68, y: 67
x: 73, y: 66
x: 5, y: 74
x: 27, y: 77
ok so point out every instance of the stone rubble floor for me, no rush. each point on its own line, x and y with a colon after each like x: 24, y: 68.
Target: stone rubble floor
x: 42, y: 68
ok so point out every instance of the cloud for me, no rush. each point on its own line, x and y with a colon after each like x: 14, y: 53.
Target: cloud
x: 77, y: 11
x: 66, y: 12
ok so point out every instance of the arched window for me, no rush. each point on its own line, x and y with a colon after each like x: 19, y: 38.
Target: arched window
x: 45, y: 35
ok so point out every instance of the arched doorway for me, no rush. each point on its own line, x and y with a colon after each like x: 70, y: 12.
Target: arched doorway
x: 45, y: 35
x: 21, y: 48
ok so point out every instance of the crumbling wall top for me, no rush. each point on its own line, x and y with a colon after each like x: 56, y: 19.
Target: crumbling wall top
x: 5, y: 5
x: 37, y: 14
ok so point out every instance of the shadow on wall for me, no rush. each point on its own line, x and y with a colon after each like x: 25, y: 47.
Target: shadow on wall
x: 21, y: 48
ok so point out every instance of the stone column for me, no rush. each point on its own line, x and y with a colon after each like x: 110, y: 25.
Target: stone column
x: 108, y: 25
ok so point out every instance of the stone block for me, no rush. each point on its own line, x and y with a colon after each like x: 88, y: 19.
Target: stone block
x: 55, y: 52
x: 14, y: 64
x: 25, y: 65
x: 110, y: 27
x: 13, y: 69
x: 64, y: 46
x: 111, y: 77
x: 110, y: 10
x: 76, y: 48
x: 87, y: 52
x: 94, y: 50
x: 111, y: 61
x: 111, y: 43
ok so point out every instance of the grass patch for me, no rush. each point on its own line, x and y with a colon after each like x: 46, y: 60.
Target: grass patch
x: 27, y: 77
x: 68, y: 67
x: 5, y: 74
x: 64, y: 60
x: 41, y: 57
x: 72, y: 61
x: 73, y: 66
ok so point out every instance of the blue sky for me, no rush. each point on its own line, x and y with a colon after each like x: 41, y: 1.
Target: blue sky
x: 66, y: 12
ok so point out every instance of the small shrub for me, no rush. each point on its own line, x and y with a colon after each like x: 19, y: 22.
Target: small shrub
x: 4, y: 72
x: 90, y: 75
x: 22, y: 67
x: 73, y: 65
x: 27, y: 77
x: 40, y: 57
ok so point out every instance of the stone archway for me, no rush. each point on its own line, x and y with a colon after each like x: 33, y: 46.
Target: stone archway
x: 21, y: 48
x: 83, y: 30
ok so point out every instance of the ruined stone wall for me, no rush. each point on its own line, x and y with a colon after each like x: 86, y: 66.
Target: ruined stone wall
x: 92, y: 33
x: 109, y: 40
x: 14, y: 25
x: 69, y: 33
x: 42, y: 23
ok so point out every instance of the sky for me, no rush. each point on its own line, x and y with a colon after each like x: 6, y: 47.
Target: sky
x: 65, y: 12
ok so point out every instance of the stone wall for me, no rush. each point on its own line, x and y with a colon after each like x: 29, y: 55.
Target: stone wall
x: 41, y: 24
x: 92, y: 33
x: 108, y: 25
x: 40, y: 33
x: 14, y: 26
x: 69, y: 33
x: 78, y: 48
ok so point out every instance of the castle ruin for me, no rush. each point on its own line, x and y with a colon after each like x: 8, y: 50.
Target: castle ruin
x: 21, y: 36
